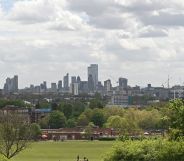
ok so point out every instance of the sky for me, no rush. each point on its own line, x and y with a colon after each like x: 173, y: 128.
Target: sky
x: 141, y: 40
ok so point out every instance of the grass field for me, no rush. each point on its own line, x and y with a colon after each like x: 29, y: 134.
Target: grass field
x: 65, y: 151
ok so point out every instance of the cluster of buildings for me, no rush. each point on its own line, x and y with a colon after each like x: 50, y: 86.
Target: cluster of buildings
x: 11, y: 85
x: 122, y: 94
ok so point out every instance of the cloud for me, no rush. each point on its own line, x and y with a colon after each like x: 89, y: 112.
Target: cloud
x: 164, y: 19
x: 48, y: 38
x: 151, y: 32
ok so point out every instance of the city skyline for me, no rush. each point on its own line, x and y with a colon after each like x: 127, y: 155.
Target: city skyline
x: 66, y: 80
x: 141, y: 40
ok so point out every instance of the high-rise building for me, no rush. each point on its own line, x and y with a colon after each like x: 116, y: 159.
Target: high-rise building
x: 60, y: 85
x: 66, y: 82
x: 15, y: 83
x: 78, y: 79
x: 53, y: 87
x: 107, y: 85
x: 73, y: 79
x: 43, y: 86
x: 91, y: 85
x: 123, y: 82
x: 93, y: 73
x: 11, y: 85
x: 84, y: 87
x: 79, y: 82
x: 74, y: 88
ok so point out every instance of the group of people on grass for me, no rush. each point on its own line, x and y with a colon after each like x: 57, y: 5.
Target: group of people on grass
x: 85, y: 159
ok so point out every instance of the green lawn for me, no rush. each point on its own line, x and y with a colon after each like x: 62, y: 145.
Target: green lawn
x: 65, y: 151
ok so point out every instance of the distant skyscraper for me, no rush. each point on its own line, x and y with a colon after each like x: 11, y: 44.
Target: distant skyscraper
x: 74, y: 88
x: 78, y: 79
x: 15, y: 83
x: 107, y: 85
x: 93, y: 73
x: 53, y: 87
x: 123, y: 82
x: 66, y: 82
x: 73, y: 79
x: 11, y: 85
x: 43, y: 86
x: 91, y: 84
x: 60, y: 85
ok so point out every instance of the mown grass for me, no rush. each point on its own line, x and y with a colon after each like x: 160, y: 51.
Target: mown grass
x: 65, y: 151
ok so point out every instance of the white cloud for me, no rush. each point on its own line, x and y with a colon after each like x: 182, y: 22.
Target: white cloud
x: 48, y: 38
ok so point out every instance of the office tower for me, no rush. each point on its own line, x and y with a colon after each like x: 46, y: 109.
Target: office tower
x: 66, y: 82
x: 15, y: 83
x: 93, y: 74
x: 45, y: 85
x: 60, y: 85
x: 79, y: 82
x: 74, y: 88
x: 53, y: 87
x: 37, y: 89
x: 107, y: 85
x: 11, y: 85
x: 78, y: 79
x: 123, y: 82
x: 84, y: 87
x: 73, y: 79
x: 91, y: 87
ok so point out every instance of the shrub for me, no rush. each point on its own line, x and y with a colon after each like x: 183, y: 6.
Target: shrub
x: 147, y: 150
x: 107, y: 139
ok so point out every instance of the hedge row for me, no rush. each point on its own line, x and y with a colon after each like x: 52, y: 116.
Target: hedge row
x: 147, y: 150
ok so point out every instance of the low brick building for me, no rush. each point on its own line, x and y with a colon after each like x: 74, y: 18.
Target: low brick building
x: 77, y: 133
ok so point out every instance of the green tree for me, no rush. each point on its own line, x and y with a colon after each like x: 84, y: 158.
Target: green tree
x: 57, y: 120
x: 14, y: 134
x: 147, y: 150
x: 35, y: 131
x: 96, y: 104
x: 89, y: 130
x: 67, y: 109
x: 71, y: 123
x: 98, y: 118
x: 177, y: 118
x: 118, y: 123
x: 54, y: 106
x: 78, y: 108
x: 44, y: 122
x: 82, y: 120
x: 149, y: 119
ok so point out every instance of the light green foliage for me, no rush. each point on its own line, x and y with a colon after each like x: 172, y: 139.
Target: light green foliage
x: 2, y: 158
x: 14, y: 134
x: 149, y: 119
x: 152, y: 150
x: 176, y: 119
x: 35, y: 131
x: 118, y: 123
x: 4, y: 102
x: 88, y: 130
x: 177, y: 114
x: 82, y: 120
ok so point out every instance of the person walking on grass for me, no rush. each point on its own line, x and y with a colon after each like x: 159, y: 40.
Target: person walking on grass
x: 78, y: 157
